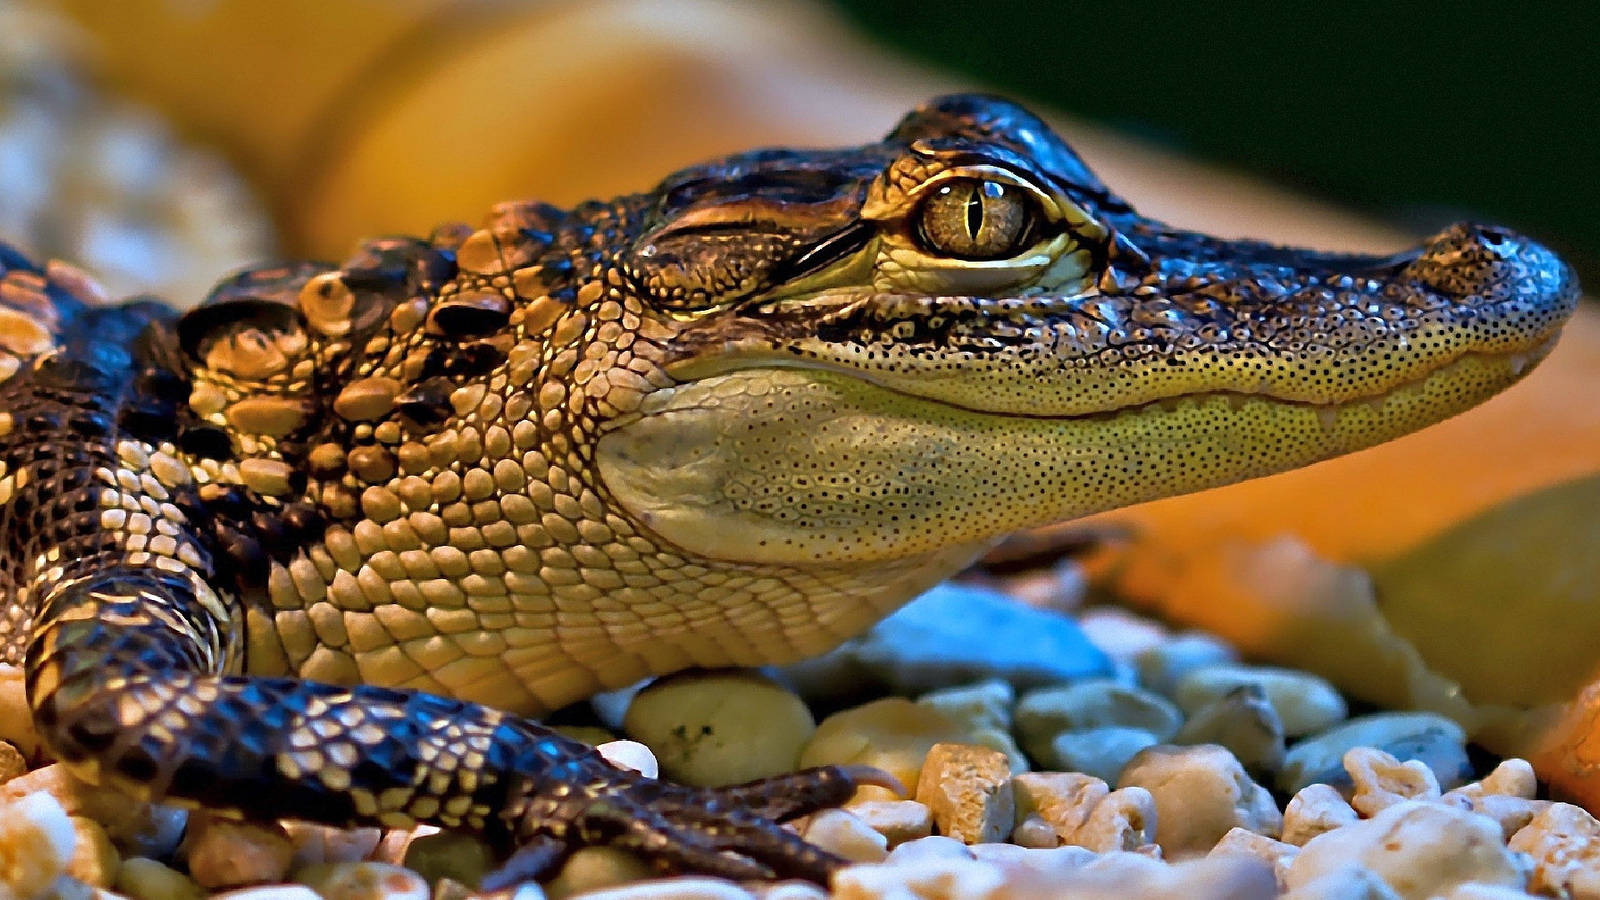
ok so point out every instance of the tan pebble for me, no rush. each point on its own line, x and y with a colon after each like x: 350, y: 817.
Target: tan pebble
x: 207, y: 399
x: 968, y: 788
x: 1200, y: 792
x: 1512, y: 778
x: 1124, y: 819
x: 1420, y: 848
x: 1316, y: 809
x: 1564, y: 844
x: 844, y: 834
x: 146, y: 879
x: 269, y: 477
x: 326, y: 302
x: 1381, y: 780
x: 366, y: 399
x: 1276, y: 854
x: 12, y: 762
x: 322, y: 844
x: 94, y: 860
x: 37, y: 840
x: 1034, y: 832
x: 897, y: 820
x: 1062, y: 799
x: 372, y: 464
x: 224, y: 854
x: 363, y: 881
x: 893, y: 734
x: 23, y: 334
x: 271, y: 416
x: 593, y: 868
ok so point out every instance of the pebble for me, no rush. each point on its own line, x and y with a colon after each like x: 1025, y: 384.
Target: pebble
x: 1564, y: 842
x: 224, y: 854
x: 12, y: 763
x: 630, y: 755
x: 1505, y: 795
x: 36, y: 843
x: 1123, y: 820
x: 1101, y: 752
x: 94, y: 861
x: 1276, y: 854
x: 968, y: 789
x: 987, y: 704
x: 928, y: 879
x: 1305, y: 703
x: 928, y: 644
x: 893, y: 734
x: 1434, y: 739
x: 364, y: 881
x: 1418, y: 848
x: 1316, y: 809
x: 270, y: 892
x: 1243, y: 721
x: 16, y: 718
x: 1381, y: 781
x: 1063, y: 800
x: 1200, y: 793
x: 1123, y: 635
x: 1160, y: 667
x: 450, y: 854
x: 145, y: 879
x: 715, y: 728
x: 321, y: 844
x: 594, y: 868
x: 1351, y: 882
x: 789, y: 890
x: 845, y: 834
x: 688, y: 887
x: 897, y: 820
x: 1043, y: 714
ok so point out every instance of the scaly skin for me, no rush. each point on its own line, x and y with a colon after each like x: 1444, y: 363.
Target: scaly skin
x: 316, y: 548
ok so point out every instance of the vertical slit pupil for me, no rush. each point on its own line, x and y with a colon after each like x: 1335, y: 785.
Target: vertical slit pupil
x: 974, y: 213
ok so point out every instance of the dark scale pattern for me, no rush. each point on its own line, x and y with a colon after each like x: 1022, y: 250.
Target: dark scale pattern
x: 316, y: 548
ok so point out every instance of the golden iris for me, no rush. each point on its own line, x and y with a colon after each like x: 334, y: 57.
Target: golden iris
x: 972, y: 218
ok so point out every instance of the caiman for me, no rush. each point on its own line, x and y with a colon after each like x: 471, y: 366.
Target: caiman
x: 320, y: 547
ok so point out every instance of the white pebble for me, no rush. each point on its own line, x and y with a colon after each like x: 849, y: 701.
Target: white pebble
x: 1351, y: 882
x: 843, y: 834
x: 685, y: 888
x: 1418, y: 848
x: 1200, y: 792
x: 1564, y: 843
x: 1276, y: 854
x: 1317, y: 809
x: 897, y: 820
x: 1124, y: 819
x: 935, y: 877
x: 1381, y: 780
x: 36, y: 843
x: 1063, y: 800
x: 929, y: 848
x: 1305, y: 703
x: 631, y: 755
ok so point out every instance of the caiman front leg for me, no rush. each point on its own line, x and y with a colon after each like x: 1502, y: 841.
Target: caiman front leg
x: 123, y: 677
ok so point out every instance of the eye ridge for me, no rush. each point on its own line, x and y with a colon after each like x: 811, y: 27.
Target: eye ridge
x: 975, y: 219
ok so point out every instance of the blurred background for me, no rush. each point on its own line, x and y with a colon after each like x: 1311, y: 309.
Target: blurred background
x: 162, y: 143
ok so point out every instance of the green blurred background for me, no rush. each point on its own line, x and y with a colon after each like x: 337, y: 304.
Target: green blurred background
x: 1417, y: 113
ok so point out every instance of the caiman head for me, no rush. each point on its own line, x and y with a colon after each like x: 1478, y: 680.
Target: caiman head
x: 960, y: 332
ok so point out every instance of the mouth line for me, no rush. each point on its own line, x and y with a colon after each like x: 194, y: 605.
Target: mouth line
x: 1520, y: 362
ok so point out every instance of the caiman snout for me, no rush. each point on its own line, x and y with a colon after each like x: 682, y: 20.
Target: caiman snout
x: 1482, y: 265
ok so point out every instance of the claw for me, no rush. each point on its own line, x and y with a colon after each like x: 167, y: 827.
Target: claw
x: 534, y: 859
x: 861, y: 776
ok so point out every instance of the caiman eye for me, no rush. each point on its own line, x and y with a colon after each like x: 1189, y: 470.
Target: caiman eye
x: 972, y: 218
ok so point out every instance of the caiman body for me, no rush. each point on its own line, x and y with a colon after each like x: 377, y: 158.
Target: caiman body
x: 733, y: 421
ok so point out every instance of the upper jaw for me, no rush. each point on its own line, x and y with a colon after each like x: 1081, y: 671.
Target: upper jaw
x: 1187, y: 315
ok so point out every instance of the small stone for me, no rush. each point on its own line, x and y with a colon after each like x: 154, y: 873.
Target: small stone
x: 145, y: 879
x: 892, y: 734
x: 1316, y: 809
x: 12, y: 763
x: 1351, y: 882
x: 594, y: 868
x: 1420, y: 849
x: 1119, y: 875
x: 1276, y: 854
x: 1034, y: 832
x: 1564, y: 842
x: 1025, y: 867
x: 897, y: 820
x: 1063, y: 800
x: 270, y: 892
x: 94, y: 861
x: 450, y: 854
x: 1243, y: 721
x: 928, y: 848
x: 1433, y: 739
x: 842, y: 833
x: 225, y: 854
x: 363, y: 881
x: 968, y: 788
x: 315, y: 844
x: 1304, y: 702
x: 16, y: 717
x: 715, y: 728
x: 1475, y: 891
x: 986, y: 704
x: 1124, y: 819
x: 1512, y: 778
x: 37, y: 841
x: 1122, y: 634
x: 788, y: 890
x: 1101, y: 752
x: 686, y: 887
x: 939, y: 877
x: 631, y: 755
x: 1200, y: 793
x: 1505, y: 795
x: 1043, y: 714
x: 928, y: 644
x: 1160, y: 667
x: 1381, y: 781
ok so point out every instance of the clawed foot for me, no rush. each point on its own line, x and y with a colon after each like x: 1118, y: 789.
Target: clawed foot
x: 731, y: 832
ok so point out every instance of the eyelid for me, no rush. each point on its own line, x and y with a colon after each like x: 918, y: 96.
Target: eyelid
x: 1047, y: 204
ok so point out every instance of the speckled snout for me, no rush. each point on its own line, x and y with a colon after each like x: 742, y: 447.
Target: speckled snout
x: 1487, y: 265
